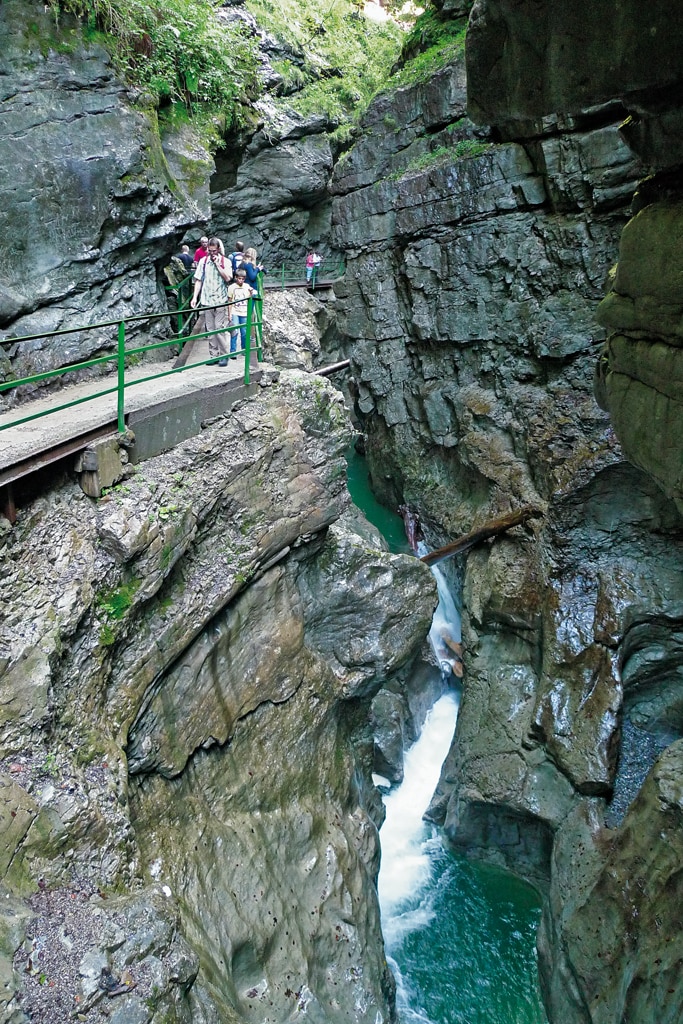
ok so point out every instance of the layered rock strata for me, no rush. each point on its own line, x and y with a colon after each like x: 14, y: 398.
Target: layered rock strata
x: 91, y: 202
x: 469, y: 313
x: 186, y: 675
x: 575, y: 58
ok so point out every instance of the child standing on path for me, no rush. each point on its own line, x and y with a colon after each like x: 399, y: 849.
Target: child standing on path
x: 238, y: 293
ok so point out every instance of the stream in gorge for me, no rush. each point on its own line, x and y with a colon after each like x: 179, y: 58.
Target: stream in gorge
x: 460, y: 936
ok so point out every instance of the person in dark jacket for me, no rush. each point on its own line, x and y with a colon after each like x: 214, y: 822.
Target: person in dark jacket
x: 185, y: 256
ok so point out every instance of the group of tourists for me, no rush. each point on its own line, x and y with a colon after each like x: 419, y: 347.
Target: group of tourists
x: 223, y: 284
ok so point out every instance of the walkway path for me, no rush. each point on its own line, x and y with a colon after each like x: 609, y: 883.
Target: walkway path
x: 57, y: 432
x: 21, y: 444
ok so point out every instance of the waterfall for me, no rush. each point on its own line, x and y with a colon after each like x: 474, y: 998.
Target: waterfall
x: 409, y: 845
x: 459, y: 937
x: 444, y: 635
x: 406, y: 838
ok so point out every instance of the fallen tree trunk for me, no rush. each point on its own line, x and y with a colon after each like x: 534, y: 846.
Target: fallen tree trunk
x: 325, y: 371
x: 489, y: 529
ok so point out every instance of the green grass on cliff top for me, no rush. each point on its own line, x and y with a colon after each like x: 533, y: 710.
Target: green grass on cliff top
x: 334, y: 60
x: 430, y: 45
x: 338, y: 57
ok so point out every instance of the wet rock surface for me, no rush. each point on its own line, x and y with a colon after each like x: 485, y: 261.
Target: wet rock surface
x: 105, y: 203
x: 623, y: 965
x: 641, y: 367
x: 204, y: 642
x: 468, y: 310
x: 469, y: 313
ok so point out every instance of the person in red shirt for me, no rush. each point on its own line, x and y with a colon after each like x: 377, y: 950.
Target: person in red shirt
x: 203, y: 249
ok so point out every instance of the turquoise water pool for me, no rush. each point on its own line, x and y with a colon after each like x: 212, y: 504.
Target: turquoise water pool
x: 473, y: 960
x: 460, y: 936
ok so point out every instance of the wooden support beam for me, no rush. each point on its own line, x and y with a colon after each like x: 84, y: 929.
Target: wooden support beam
x: 489, y: 529
x: 325, y: 371
x: 7, y: 505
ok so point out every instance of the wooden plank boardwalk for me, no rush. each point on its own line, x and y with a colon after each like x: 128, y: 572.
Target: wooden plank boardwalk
x: 29, y: 446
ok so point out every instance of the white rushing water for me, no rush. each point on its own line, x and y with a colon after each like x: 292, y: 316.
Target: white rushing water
x: 460, y: 942
x: 410, y: 845
x: 407, y: 841
x: 405, y: 868
x: 446, y: 621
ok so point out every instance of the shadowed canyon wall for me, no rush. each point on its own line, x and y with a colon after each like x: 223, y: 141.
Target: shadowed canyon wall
x: 479, y: 256
x: 185, y: 680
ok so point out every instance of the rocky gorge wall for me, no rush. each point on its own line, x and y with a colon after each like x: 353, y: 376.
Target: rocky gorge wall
x: 98, y: 192
x: 185, y: 745
x: 90, y: 200
x: 478, y: 257
x: 188, y: 665
x: 577, y: 58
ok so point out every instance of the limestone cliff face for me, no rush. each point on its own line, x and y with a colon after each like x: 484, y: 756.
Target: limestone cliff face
x: 469, y: 313
x: 90, y: 201
x: 575, y: 57
x: 186, y: 676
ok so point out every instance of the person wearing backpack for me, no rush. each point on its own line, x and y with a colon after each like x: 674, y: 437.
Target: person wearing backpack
x: 237, y: 257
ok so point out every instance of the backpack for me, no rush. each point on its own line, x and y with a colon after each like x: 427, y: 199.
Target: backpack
x: 236, y: 260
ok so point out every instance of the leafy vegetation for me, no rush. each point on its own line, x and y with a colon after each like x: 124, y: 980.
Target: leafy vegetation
x: 185, y: 57
x: 339, y: 58
x: 430, y: 45
x: 178, y: 51
x: 462, y: 150
x: 115, y: 603
x: 194, y: 63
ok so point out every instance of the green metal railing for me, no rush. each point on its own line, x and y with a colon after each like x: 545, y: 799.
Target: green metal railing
x: 182, y: 293
x: 124, y: 355
x: 295, y: 273
x: 285, y: 275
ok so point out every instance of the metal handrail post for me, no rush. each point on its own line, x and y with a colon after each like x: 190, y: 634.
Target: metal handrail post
x: 121, y: 367
x: 247, y: 347
x: 179, y: 303
x: 118, y: 356
x: 259, y: 319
